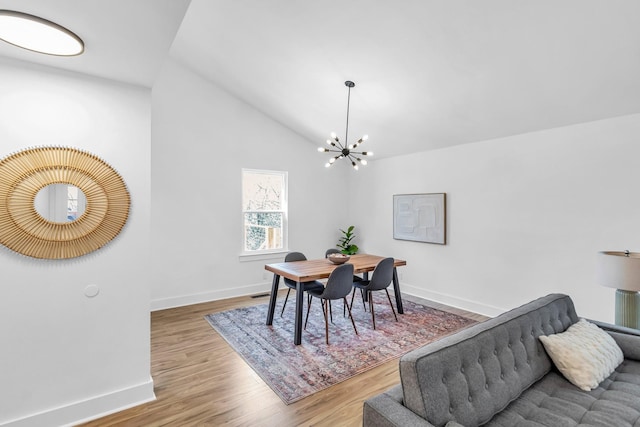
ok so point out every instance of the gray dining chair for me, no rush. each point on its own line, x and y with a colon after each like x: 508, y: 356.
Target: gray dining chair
x: 380, y: 280
x: 338, y: 286
x: 356, y: 278
x: 291, y: 284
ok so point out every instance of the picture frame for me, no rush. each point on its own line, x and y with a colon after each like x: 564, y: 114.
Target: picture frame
x: 420, y: 217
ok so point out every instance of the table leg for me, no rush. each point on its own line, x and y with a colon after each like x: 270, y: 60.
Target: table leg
x: 297, y: 338
x: 365, y: 296
x: 396, y: 290
x: 272, y: 300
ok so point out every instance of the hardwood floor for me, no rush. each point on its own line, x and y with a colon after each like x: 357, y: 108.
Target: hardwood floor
x: 200, y: 381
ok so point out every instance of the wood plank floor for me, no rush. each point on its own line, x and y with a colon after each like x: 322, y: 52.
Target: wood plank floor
x: 200, y: 381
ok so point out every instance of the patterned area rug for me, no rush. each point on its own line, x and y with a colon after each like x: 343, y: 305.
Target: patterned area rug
x: 297, y: 371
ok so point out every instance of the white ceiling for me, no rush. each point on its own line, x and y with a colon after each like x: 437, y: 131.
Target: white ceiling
x: 428, y: 73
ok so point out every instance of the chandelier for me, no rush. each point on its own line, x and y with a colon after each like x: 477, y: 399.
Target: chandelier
x: 346, y: 152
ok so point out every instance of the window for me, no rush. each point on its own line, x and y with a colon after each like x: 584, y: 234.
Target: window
x: 72, y: 202
x: 264, y: 208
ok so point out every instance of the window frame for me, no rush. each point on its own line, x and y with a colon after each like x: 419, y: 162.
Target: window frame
x: 266, y: 253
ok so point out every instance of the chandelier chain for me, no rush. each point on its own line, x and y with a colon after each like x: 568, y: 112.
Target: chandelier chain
x: 346, y: 132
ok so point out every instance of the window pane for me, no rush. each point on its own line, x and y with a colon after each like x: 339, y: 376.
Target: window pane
x: 262, y: 231
x: 262, y: 191
x: 72, y: 202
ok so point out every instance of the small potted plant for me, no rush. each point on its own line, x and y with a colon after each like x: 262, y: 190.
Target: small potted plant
x: 345, y: 245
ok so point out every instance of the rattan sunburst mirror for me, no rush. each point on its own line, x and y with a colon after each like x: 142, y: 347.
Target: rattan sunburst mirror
x: 24, y: 230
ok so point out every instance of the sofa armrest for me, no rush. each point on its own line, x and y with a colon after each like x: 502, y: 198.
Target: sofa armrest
x: 387, y: 410
x: 628, y: 339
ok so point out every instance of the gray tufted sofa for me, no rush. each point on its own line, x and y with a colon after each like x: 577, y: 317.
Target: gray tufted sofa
x: 497, y: 373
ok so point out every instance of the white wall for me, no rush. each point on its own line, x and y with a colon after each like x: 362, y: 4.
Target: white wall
x: 64, y: 356
x: 526, y: 215
x: 202, y: 138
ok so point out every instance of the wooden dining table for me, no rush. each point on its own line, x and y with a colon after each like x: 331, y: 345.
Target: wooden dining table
x: 316, y: 269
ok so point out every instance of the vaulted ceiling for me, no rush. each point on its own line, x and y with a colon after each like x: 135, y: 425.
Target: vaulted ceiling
x: 428, y: 73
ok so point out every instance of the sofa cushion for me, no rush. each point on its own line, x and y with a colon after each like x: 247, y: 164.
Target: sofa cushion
x: 584, y: 353
x: 469, y: 376
x: 555, y: 402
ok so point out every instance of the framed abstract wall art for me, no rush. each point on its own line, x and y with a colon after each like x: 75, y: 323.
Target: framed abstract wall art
x: 420, y: 217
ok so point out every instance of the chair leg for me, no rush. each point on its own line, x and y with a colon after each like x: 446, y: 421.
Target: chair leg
x: 330, y: 312
x: 285, y: 302
x: 308, y: 310
x: 353, y: 294
x: 323, y: 302
x: 392, y: 309
x: 362, y: 291
x: 373, y: 314
x: 326, y: 321
x: 350, y: 316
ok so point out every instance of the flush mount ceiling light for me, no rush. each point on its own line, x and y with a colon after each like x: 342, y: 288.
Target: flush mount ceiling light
x: 345, y: 151
x: 38, y: 35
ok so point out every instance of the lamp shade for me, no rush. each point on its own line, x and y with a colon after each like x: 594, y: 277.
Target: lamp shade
x: 620, y: 270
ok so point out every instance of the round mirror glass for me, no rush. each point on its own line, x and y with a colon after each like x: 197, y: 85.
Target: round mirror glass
x: 60, y: 202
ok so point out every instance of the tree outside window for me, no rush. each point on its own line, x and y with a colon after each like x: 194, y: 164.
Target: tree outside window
x: 264, y: 207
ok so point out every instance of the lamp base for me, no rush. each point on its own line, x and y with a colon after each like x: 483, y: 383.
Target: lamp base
x: 627, y: 303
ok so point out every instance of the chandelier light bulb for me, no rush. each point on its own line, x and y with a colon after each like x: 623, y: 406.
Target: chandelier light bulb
x: 363, y: 161
x: 322, y: 150
x: 326, y: 165
x: 365, y: 137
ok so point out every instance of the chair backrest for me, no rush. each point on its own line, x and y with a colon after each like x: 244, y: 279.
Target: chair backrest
x: 382, y: 275
x: 331, y: 251
x: 340, y: 282
x: 294, y: 256
x: 290, y: 257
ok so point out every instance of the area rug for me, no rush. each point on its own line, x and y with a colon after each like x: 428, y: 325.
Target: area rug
x: 297, y: 371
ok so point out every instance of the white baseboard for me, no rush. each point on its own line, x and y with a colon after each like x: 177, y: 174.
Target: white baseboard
x: 179, y: 301
x: 453, y: 301
x: 265, y: 287
x: 90, y: 408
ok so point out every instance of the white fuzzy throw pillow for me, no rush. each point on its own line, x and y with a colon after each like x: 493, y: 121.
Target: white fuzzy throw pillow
x: 584, y: 353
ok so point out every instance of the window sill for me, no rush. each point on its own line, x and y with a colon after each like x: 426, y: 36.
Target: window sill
x: 264, y: 256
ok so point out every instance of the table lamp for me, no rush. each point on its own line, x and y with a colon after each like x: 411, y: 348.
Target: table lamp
x: 621, y: 270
